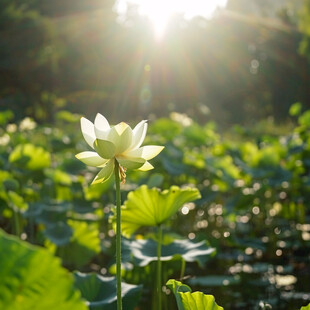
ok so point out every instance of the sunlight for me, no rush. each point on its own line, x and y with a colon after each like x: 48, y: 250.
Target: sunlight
x: 160, y: 11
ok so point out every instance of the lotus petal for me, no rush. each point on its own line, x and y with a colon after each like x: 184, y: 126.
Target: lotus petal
x: 139, y: 133
x: 105, y: 149
x: 147, y: 166
x: 105, y: 173
x: 146, y: 152
x: 102, y: 127
x: 132, y: 163
x: 121, y: 136
x: 88, y: 131
x: 91, y: 159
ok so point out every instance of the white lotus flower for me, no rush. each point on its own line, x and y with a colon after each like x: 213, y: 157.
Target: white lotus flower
x: 118, y: 142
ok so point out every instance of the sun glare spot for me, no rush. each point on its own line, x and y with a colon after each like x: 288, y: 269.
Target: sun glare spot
x: 159, y: 12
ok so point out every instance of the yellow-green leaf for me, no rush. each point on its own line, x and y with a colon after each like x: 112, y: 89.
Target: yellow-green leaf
x: 151, y: 207
x: 186, y: 300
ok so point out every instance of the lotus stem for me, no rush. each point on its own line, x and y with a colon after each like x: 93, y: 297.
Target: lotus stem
x: 183, y: 263
x: 159, y: 271
x: 16, y: 219
x: 118, y: 238
x: 16, y: 222
x: 31, y: 229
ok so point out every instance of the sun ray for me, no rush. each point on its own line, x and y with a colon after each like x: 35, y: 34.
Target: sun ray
x: 159, y: 12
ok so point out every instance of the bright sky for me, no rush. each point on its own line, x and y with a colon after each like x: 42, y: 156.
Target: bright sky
x: 159, y: 11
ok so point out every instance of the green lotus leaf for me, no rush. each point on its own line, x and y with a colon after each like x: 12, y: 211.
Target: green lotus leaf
x: 17, y: 201
x: 144, y: 251
x: 100, y: 292
x: 96, y: 191
x: 83, y: 246
x: 198, y: 301
x: 152, y: 207
x: 155, y: 180
x: 67, y: 116
x: 32, y: 279
x: 166, y: 127
x: 58, y: 176
x: 305, y: 307
x: 59, y: 233
x: 214, y: 280
x: 295, y: 109
x: 34, y: 210
x: 174, y: 168
x: 186, y: 300
x: 50, y: 213
x: 5, y: 117
x: 177, y: 288
x: 10, y: 184
x: 30, y: 157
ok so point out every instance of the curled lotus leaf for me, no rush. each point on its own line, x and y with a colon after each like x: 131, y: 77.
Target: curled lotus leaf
x: 188, y: 300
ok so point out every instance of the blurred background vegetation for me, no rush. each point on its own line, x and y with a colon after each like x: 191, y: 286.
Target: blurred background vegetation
x: 250, y: 61
x: 227, y: 96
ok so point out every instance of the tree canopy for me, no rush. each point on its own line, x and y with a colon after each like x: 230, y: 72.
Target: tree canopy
x: 249, y: 61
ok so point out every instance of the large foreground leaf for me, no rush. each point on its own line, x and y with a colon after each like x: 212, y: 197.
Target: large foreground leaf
x: 186, y: 300
x: 100, y: 292
x: 305, y: 307
x: 145, y: 251
x: 151, y: 207
x: 32, y: 279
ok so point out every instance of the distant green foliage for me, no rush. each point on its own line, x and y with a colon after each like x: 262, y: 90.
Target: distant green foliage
x: 304, y: 27
x: 30, y: 157
x: 78, y: 248
x: 244, y: 193
x: 295, y: 109
x: 6, y: 116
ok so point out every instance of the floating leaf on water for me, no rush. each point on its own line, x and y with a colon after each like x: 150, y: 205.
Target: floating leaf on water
x: 214, y: 280
x: 100, y: 292
x: 48, y: 214
x: 59, y: 233
x: 145, y: 251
